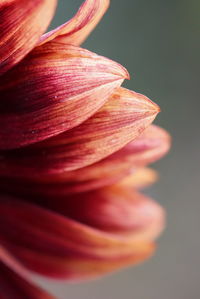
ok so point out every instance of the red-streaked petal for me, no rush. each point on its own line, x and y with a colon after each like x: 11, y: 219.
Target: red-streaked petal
x: 120, y: 120
x: 14, y: 280
x: 22, y: 24
x: 57, y: 246
x: 76, y: 30
x: 55, y: 88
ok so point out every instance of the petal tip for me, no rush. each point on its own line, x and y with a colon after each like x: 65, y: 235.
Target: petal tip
x: 152, y: 106
x: 122, y: 71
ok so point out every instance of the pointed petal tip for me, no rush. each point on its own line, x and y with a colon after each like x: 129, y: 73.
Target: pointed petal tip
x: 151, y: 106
x: 117, y: 68
x: 67, y: 72
x: 139, y: 103
x: 126, y: 74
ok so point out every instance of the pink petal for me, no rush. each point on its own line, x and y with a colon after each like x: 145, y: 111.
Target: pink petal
x: 55, y: 88
x: 124, y: 117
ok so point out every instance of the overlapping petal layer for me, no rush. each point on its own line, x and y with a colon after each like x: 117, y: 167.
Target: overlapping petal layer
x: 74, y: 145
x: 147, y: 148
x: 114, y: 209
x: 22, y: 24
x: 120, y: 120
x: 76, y: 30
x: 82, y: 180
x: 59, y: 87
x: 53, y: 244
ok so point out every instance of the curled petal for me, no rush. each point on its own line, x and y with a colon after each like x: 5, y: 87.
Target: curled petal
x: 76, y: 30
x: 59, y: 87
x: 22, y: 24
x: 57, y: 246
x: 14, y: 280
x: 120, y: 120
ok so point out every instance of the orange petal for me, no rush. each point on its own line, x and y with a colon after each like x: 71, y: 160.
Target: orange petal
x: 141, y: 178
x: 14, y: 280
x: 76, y: 30
x: 119, y: 121
x: 22, y: 24
x: 59, y: 87
x: 57, y: 246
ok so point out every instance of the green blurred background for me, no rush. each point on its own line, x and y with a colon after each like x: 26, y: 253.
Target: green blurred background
x: 158, y: 42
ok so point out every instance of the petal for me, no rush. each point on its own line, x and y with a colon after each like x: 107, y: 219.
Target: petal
x: 59, y: 87
x: 14, y: 281
x: 78, y: 268
x: 22, y: 24
x: 57, y: 246
x: 80, y: 180
x: 76, y: 30
x: 149, y: 147
x: 120, y: 120
x: 115, y: 209
x: 141, y: 178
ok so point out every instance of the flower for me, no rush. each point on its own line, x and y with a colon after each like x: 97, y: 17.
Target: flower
x: 74, y: 150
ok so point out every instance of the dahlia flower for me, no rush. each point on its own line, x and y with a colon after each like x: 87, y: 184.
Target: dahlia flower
x: 74, y: 151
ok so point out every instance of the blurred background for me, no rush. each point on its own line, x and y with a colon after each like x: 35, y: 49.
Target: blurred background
x: 158, y: 42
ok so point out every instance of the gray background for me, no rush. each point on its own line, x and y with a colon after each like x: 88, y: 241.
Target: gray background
x: 157, y: 41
